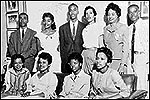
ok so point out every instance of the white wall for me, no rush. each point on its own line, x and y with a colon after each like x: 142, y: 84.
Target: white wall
x: 59, y: 9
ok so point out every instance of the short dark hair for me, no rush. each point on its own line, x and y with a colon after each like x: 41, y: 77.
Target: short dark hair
x: 132, y: 6
x: 90, y: 7
x: 14, y: 57
x: 24, y: 14
x: 45, y: 56
x: 107, y: 52
x: 53, y: 26
x: 76, y: 56
x: 72, y: 4
x: 114, y: 7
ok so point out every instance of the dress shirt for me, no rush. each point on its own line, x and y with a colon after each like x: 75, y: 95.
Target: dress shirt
x: 71, y: 26
x: 21, y: 32
x: 78, y: 88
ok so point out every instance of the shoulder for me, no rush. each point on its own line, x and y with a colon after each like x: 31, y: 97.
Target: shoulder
x: 122, y: 26
x: 82, y: 24
x: 64, y: 25
x: 32, y: 31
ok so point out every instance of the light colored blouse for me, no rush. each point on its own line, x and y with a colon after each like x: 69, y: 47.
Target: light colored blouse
x: 76, y: 88
x: 91, y: 36
x: 105, y: 85
x: 46, y: 84
x: 50, y: 44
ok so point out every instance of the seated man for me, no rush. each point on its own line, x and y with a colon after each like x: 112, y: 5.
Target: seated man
x: 43, y: 83
x: 77, y: 84
x: 106, y: 82
x: 16, y: 77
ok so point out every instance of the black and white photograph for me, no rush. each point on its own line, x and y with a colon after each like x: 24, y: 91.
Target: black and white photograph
x: 145, y: 9
x: 12, y: 20
x: 75, y: 50
x: 12, y: 6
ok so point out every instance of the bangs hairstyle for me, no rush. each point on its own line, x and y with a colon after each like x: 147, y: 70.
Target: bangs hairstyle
x: 114, y: 7
x: 45, y: 56
x: 76, y: 56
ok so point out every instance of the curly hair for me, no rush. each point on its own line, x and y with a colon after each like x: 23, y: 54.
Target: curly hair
x: 89, y: 7
x: 14, y: 57
x: 53, y: 25
x: 45, y: 56
x: 107, y: 52
x: 114, y: 7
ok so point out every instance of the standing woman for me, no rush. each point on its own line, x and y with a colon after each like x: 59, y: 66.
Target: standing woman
x: 92, y: 38
x: 49, y: 40
x: 116, y: 38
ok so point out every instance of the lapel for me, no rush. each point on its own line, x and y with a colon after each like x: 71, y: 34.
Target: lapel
x: 69, y: 31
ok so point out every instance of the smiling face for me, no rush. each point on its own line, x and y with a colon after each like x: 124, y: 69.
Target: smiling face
x: 23, y: 20
x: 101, y: 60
x: 90, y: 15
x: 112, y: 16
x: 47, y: 22
x: 43, y: 64
x: 133, y: 13
x: 75, y: 65
x: 18, y: 64
x: 73, y: 12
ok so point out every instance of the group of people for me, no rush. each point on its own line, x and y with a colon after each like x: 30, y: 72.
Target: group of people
x: 94, y: 61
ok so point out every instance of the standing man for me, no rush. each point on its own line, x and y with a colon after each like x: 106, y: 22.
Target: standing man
x: 139, y: 46
x: 70, y: 37
x: 22, y: 42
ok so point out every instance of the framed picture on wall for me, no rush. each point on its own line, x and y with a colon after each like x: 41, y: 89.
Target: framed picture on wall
x: 12, y: 20
x: 12, y: 6
x: 144, y: 9
x: 8, y: 33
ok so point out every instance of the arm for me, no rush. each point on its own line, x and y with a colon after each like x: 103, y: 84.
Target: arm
x: 101, y: 41
x: 61, y: 40
x: 32, y: 50
x: 118, y: 81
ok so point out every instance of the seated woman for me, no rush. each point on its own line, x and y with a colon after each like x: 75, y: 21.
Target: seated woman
x: 77, y: 84
x: 43, y: 83
x: 16, y: 77
x: 106, y: 82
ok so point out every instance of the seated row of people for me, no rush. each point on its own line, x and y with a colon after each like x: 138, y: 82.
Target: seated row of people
x: 104, y: 82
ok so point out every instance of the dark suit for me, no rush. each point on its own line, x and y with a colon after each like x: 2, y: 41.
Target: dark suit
x: 25, y: 47
x: 68, y: 45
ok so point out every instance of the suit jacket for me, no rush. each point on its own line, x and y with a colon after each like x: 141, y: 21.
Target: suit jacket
x: 25, y: 47
x: 67, y: 44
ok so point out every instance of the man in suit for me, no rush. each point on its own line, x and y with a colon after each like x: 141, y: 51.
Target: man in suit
x: 70, y: 37
x: 23, y: 42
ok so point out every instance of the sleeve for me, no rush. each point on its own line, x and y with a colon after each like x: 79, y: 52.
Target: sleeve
x: 11, y: 46
x: 63, y: 94
x: 101, y: 40
x: 106, y: 36
x: 7, y: 80
x: 31, y: 51
x: 118, y: 81
x: 61, y: 40
x: 125, y: 38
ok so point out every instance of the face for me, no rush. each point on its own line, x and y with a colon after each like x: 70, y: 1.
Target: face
x: 43, y: 64
x: 23, y: 20
x: 133, y: 13
x: 18, y: 64
x: 47, y: 22
x: 101, y: 60
x: 73, y: 12
x: 90, y: 15
x: 75, y: 65
x: 112, y: 16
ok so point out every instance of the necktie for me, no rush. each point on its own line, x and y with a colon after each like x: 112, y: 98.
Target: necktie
x: 73, y: 35
x: 22, y: 33
x: 132, y: 44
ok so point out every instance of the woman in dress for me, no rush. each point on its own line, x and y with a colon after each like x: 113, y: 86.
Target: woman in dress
x: 116, y: 38
x: 106, y: 82
x: 92, y: 38
x: 49, y: 40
